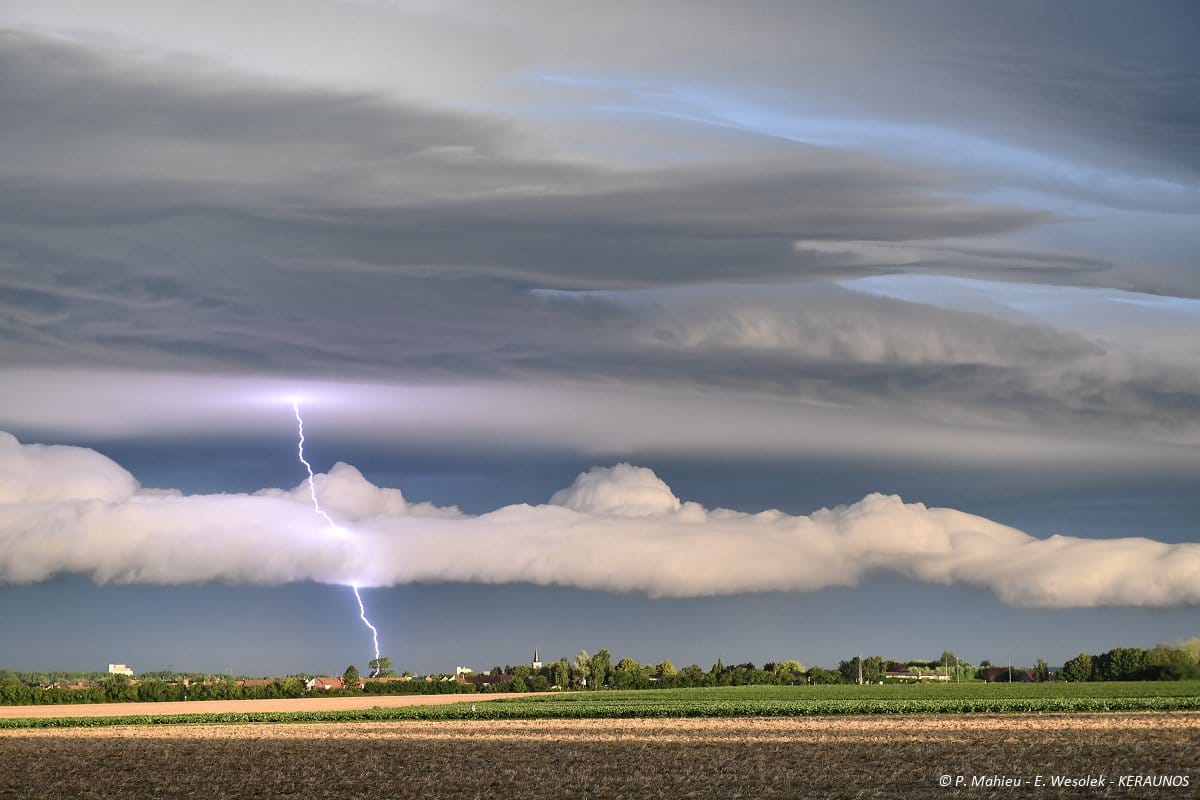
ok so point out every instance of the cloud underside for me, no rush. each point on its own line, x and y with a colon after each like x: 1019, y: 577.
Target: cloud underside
x: 72, y: 510
x: 172, y: 215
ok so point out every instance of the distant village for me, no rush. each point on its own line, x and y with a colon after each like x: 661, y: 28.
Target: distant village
x: 120, y: 683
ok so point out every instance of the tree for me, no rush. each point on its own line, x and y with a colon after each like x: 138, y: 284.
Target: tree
x: 601, y: 666
x: 1191, y: 647
x: 963, y: 672
x: 666, y: 669
x: 873, y: 669
x: 628, y: 674
x: 822, y: 675
x: 1078, y: 668
x: 118, y: 689
x: 790, y: 667
x: 351, y: 679
x: 562, y: 673
x: 581, y: 669
x: 1041, y: 672
x: 849, y: 670
x: 226, y: 690
x: 381, y: 667
x: 1182, y: 666
x: 1119, y: 664
x: 159, y: 691
x: 1128, y: 663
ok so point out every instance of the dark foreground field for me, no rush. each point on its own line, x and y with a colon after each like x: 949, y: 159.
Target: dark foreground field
x: 843, y: 757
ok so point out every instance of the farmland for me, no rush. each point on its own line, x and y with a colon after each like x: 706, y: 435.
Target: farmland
x: 843, y: 757
x: 750, y: 741
x: 741, y: 701
x: 199, y: 709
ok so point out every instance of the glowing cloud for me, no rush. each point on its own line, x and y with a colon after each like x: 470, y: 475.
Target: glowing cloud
x: 614, y: 529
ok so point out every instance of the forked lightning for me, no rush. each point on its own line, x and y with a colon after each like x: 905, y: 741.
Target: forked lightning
x: 312, y: 490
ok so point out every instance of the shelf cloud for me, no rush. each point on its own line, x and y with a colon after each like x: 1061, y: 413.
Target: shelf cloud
x: 622, y: 529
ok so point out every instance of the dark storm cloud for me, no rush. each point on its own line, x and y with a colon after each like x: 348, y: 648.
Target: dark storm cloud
x: 1091, y: 80
x: 395, y: 185
x: 826, y: 345
x: 1105, y: 84
x: 160, y: 206
x: 151, y: 110
x: 167, y: 213
x: 1108, y: 83
x: 173, y: 214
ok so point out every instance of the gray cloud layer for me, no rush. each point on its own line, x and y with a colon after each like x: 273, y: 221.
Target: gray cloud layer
x: 354, y: 178
x: 396, y: 210
x: 67, y: 509
x: 1100, y: 80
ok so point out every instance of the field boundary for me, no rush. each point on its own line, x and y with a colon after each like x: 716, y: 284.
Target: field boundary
x: 263, y: 706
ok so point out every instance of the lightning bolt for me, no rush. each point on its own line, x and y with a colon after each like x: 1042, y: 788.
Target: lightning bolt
x: 312, y: 490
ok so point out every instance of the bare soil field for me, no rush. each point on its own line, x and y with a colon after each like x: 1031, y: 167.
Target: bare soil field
x: 811, y: 757
x: 235, y: 706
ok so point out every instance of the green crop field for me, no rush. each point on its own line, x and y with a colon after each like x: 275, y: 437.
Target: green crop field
x: 734, y: 701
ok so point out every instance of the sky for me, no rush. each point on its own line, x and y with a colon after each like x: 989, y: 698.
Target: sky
x: 745, y: 331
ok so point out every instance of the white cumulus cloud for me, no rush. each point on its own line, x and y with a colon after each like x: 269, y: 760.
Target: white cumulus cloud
x: 38, y: 473
x: 620, y: 528
x: 623, y: 490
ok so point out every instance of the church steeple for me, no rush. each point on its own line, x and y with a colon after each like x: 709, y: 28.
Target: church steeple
x: 537, y: 662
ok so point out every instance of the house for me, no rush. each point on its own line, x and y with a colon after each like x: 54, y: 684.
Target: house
x: 484, y: 680
x: 916, y: 677
x: 246, y: 684
x: 120, y: 669
x: 322, y: 684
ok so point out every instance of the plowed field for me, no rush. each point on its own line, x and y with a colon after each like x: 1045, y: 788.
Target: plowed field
x: 842, y: 757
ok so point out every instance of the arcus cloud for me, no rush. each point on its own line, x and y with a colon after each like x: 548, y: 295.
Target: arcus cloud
x: 72, y: 510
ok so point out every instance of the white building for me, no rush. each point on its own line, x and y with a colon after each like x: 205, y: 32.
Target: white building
x: 120, y: 669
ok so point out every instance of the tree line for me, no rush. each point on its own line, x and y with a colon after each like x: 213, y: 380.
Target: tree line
x: 1179, y: 661
x: 600, y: 671
x: 121, y: 689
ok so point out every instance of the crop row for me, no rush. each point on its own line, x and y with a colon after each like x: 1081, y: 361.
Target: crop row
x: 923, y: 692
x: 601, y: 709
